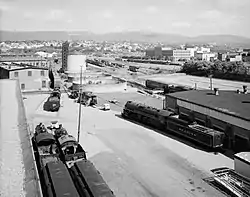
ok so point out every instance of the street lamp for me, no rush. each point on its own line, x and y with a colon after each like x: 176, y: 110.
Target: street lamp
x: 80, y: 108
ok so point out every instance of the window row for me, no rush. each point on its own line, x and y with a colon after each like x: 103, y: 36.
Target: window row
x: 43, y: 85
x: 42, y: 73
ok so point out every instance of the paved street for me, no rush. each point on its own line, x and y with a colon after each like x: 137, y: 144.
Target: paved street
x: 135, y: 161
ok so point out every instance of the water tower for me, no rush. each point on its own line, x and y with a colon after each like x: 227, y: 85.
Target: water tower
x: 75, y: 61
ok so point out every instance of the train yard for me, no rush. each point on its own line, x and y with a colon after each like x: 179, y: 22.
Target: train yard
x: 135, y: 157
x: 120, y: 150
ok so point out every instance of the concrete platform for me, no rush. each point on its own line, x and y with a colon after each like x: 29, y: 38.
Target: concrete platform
x: 18, y: 175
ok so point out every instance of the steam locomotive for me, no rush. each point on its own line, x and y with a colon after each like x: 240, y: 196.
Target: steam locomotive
x: 53, y: 102
x: 63, y: 166
x: 167, y: 121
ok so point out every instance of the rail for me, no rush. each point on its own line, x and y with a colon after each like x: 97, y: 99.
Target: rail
x: 232, y: 181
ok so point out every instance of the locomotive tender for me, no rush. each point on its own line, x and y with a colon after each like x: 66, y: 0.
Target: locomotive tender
x: 167, y: 121
x: 62, y: 165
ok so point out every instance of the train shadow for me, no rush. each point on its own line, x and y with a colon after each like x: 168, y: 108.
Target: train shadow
x: 178, y: 138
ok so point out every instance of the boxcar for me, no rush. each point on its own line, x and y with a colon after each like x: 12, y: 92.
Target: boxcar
x: 61, y: 182
x: 91, y: 178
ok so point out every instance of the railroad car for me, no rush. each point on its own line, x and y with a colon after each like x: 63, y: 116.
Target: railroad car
x: 53, y: 102
x: 58, y: 181
x: 45, y: 148
x: 85, y: 174
x: 71, y: 150
x: 45, y: 151
x: 169, y: 122
x: 198, y: 133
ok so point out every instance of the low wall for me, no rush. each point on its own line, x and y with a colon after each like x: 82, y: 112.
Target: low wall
x: 32, y: 183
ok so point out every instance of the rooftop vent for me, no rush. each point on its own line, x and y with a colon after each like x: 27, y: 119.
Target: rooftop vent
x: 216, y: 91
x: 244, y: 89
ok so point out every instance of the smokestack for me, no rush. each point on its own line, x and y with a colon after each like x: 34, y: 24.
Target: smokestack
x: 216, y: 91
x: 244, y: 89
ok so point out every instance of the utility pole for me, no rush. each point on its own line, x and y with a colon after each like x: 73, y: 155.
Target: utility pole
x: 211, y: 82
x: 80, y: 108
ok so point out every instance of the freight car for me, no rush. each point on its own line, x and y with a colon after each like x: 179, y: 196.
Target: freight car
x: 169, y: 122
x: 45, y: 151
x: 58, y: 181
x: 63, y: 167
x: 89, y: 180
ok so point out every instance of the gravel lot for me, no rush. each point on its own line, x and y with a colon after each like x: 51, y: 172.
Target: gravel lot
x: 136, y: 161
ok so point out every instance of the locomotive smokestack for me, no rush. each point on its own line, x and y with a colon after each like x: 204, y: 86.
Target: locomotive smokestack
x: 244, y: 89
x: 216, y: 91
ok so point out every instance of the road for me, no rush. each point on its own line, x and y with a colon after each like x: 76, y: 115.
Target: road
x: 135, y: 161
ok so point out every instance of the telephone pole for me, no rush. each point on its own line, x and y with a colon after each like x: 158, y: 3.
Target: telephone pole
x: 80, y: 107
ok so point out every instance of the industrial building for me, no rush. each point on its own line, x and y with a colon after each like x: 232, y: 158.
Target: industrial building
x: 28, y: 60
x: 226, y: 111
x: 175, y: 55
x: 65, y: 52
x: 30, y: 78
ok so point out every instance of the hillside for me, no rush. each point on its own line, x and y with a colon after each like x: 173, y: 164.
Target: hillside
x: 122, y: 36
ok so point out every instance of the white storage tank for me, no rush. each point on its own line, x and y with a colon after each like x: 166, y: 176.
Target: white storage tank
x: 242, y: 164
x: 75, y: 62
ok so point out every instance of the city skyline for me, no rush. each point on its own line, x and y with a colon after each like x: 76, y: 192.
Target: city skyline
x: 184, y: 17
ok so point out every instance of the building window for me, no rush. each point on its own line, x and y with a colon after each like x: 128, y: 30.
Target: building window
x: 42, y: 72
x: 29, y: 73
x: 16, y: 74
x: 22, y: 86
x: 43, y: 84
x: 37, y: 63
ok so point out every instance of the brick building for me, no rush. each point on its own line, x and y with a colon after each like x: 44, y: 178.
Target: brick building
x: 226, y: 111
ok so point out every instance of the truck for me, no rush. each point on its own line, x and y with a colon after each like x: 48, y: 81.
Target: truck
x: 87, y: 98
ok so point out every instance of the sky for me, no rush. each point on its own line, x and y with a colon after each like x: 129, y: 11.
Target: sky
x: 185, y: 17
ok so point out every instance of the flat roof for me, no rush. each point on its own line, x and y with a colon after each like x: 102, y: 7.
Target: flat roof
x: 227, y: 102
x: 19, y: 67
x: 20, y: 59
x: 243, y: 156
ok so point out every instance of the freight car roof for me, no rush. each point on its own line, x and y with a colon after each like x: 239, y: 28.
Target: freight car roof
x: 228, y: 102
x: 243, y: 156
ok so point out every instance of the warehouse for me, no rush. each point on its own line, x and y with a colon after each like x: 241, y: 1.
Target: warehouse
x: 30, y: 78
x: 227, y: 111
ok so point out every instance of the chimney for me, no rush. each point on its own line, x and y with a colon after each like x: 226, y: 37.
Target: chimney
x: 244, y: 89
x: 216, y: 91
x: 238, y: 91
